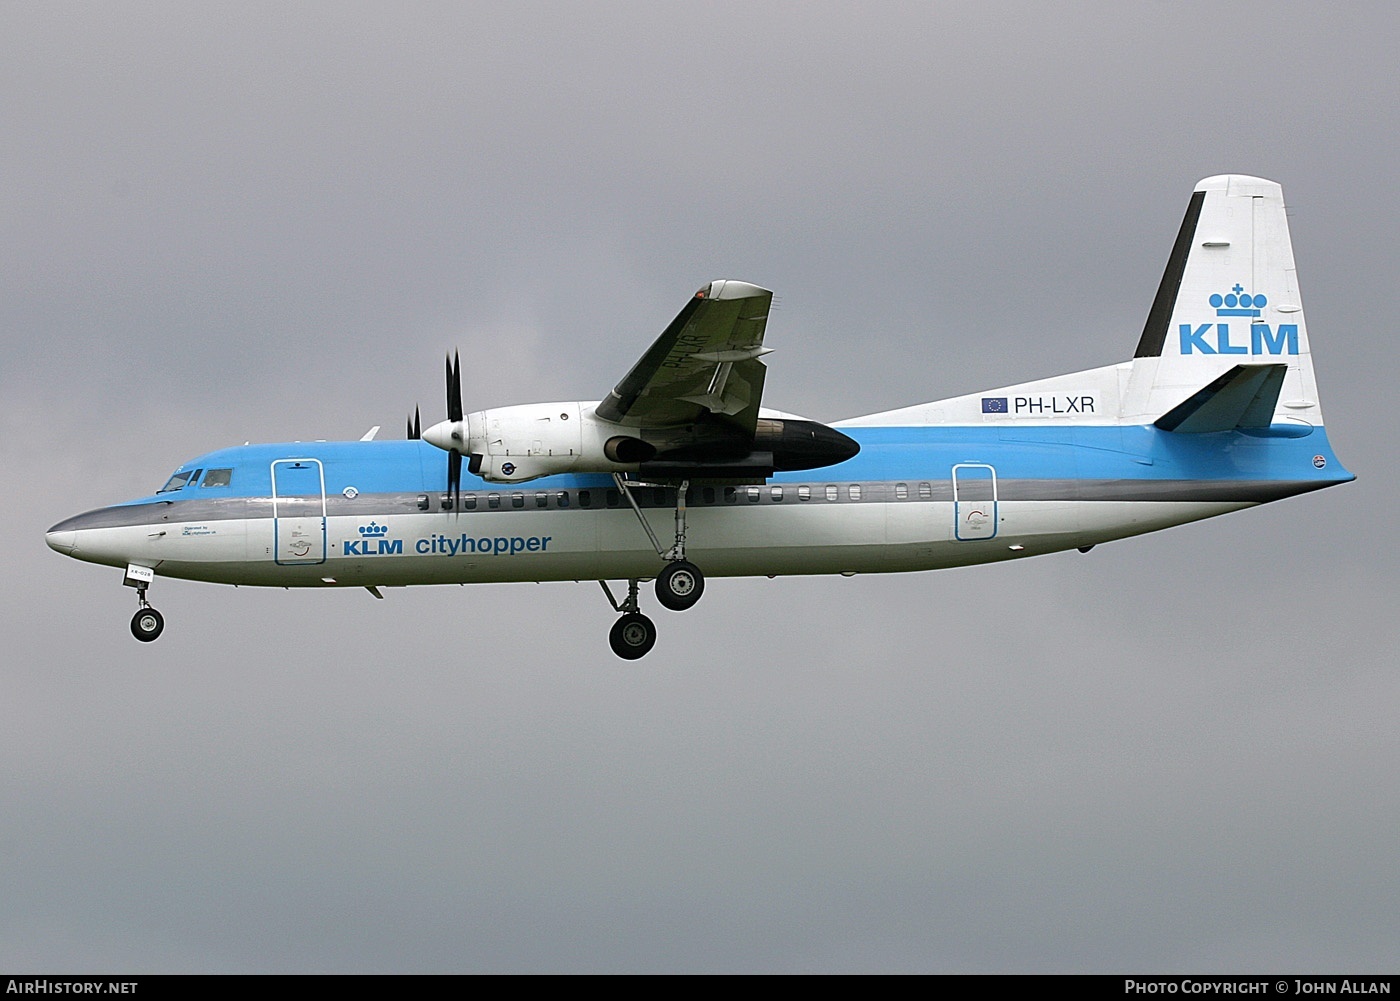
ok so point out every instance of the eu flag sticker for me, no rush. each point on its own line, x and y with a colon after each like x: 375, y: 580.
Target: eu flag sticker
x: 993, y: 404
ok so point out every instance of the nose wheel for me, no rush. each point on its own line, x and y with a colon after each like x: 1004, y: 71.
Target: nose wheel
x: 147, y: 624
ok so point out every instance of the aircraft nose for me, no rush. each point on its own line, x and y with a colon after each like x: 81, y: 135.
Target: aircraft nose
x: 62, y: 540
x: 63, y: 537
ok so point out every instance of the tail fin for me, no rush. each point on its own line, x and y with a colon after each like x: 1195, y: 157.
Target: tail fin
x: 1225, y: 344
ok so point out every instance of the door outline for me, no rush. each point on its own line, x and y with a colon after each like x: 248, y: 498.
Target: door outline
x: 972, y: 521
x: 298, y: 531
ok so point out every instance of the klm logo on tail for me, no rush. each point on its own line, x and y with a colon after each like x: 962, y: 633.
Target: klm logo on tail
x: 1215, y: 338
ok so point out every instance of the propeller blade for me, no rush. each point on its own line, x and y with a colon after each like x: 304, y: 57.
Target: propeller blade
x: 454, y: 387
x: 415, y: 427
x: 454, y: 477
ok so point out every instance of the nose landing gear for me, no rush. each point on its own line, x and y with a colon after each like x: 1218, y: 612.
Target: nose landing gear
x: 147, y: 623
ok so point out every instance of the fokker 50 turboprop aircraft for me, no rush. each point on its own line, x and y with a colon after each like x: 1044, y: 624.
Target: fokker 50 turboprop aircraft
x: 680, y: 470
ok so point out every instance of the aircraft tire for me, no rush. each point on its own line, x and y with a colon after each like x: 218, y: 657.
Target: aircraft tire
x: 632, y: 636
x: 147, y: 624
x: 679, y: 585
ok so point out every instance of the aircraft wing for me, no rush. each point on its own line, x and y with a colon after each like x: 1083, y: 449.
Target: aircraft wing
x: 705, y: 362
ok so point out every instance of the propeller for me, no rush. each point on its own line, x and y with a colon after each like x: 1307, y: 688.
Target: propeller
x: 454, y: 387
x: 449, y: 435
x: 454, y: 414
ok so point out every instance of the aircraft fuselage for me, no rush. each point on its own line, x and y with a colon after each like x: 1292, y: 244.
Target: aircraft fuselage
x: 373, y: 513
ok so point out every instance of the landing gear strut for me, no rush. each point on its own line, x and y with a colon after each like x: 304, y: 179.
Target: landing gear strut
x: 633, y: 634
x: 680, y: 583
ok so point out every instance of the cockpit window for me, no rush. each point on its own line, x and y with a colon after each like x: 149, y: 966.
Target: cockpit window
x: 177, y: 482
x: 217, y: 478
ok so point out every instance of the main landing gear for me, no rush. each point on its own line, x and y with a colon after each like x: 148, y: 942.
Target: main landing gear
x: 633, y: 634
x: 679, y: 585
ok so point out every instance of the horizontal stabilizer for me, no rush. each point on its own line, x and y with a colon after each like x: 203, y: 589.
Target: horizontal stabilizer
x: 1243, y: 397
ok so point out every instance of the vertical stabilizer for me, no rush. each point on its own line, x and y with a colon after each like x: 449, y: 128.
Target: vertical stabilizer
x: 1228, y: 297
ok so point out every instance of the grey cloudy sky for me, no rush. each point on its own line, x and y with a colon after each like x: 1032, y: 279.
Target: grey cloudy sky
x: 248, y: 222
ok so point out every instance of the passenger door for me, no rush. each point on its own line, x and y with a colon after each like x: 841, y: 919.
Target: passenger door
x: 974, y: 501
x: 298, y: 512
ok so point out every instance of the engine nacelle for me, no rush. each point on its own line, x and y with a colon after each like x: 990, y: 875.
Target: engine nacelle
x: 514, y: 444
x: 525, y: 442
x: 543, y: 439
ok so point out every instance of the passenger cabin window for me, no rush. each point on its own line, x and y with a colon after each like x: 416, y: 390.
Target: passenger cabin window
x: 585, y: 498
x: 731, y: 496
x: 707, y: 494
x: 855, y: 491
x: 517, y: 500
x: 804, y: 493
x: 218, y: 478
x: 901, y: 491
x: 777, y: 494
x: 831, y: 491
x: 562, y: 498
x: 493, y: 500
x: 541, y: 498
x: 925, y: 491
x: 469, y: 502
x: 753, y: 495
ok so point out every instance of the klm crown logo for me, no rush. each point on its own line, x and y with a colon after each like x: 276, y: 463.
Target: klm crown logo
x: 1238, y: 302
x: 372, y: 542
x: 1216, y: 338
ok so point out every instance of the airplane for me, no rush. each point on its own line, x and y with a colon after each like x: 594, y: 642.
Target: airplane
x: 1216, y: 411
